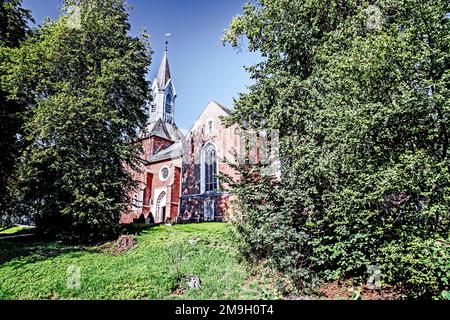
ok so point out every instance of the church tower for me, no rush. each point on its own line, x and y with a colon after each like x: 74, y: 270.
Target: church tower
x: 161, y: 117
x: 163, y: 93
x: 156, y: 197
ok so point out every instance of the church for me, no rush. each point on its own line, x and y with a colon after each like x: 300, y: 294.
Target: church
x: 178, y: 180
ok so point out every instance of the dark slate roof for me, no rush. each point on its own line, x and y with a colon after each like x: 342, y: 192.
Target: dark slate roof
x: 164, y: 130
x: 164, y: 73
x: 173, y: 151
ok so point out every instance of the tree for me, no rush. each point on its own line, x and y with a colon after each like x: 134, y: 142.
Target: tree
x: 13, y: 30
x: 83, y: 79
x: 13, y: 22
x: 360, y: 95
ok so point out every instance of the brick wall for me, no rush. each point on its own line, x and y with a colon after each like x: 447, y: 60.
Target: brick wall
x: 151, y: 185
x: 225, y: 140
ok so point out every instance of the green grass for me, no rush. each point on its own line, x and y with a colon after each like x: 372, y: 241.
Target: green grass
x: 158, y: 264
x: 14, y: 231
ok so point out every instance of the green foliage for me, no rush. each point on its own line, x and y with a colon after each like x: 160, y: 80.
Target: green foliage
x: 266, y: 225
x: 13, y: 30
x: 363, y: 116
x: 82, y: 78
x: 144, y: 272
x: 13, y: 22
x: 422, y: 266
x: 356, y: 296
x: 445, y: 295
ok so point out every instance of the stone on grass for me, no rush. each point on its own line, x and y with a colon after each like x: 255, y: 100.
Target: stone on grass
x: 193, y: 241
x: 125, y: 243
x: 193, y: 282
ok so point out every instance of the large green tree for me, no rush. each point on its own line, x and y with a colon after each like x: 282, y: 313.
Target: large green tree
x: 360, y: 93
x: 83, y: 80
x: 13, y: 30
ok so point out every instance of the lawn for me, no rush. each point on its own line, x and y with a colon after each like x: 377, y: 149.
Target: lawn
x: 156, y: 268
x: 15, y: 231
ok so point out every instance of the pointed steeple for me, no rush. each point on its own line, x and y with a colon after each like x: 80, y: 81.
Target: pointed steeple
x: 164, y: 72
x: 164, y: 94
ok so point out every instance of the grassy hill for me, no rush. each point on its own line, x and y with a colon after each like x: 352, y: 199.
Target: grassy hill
x: 156, y: 267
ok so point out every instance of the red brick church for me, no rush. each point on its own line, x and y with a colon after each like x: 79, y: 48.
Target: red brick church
x: 178, y: 181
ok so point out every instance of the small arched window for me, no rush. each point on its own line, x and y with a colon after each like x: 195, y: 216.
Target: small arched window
x: 209, y: 126
x: 168, y: 104
x: 153, y: 103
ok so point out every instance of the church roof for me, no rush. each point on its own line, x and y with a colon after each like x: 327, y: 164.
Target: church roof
x: 164, y: 73
x: 173, y: 151
x: 164, y: 130
x: 222, y: 106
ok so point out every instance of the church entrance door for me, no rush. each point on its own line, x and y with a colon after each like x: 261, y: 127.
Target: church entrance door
x: 161, y: 208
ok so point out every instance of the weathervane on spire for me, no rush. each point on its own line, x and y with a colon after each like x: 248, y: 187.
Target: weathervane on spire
x: 167, y: 35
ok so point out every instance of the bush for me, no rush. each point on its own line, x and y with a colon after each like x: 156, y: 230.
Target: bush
x: 422, y: 267
x: 362, y: 115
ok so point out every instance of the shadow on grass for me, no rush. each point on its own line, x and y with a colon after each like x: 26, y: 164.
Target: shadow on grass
x: 33, y: 249
x: 137, y: 228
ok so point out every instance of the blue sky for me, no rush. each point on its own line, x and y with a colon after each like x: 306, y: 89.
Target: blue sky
x: 202, y: 68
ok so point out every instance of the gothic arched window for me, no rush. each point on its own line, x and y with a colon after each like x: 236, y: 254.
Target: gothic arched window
x: 210, y: 168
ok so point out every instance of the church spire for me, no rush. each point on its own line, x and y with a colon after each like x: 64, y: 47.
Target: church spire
x: 164, y: 94
x: 164, y: 72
